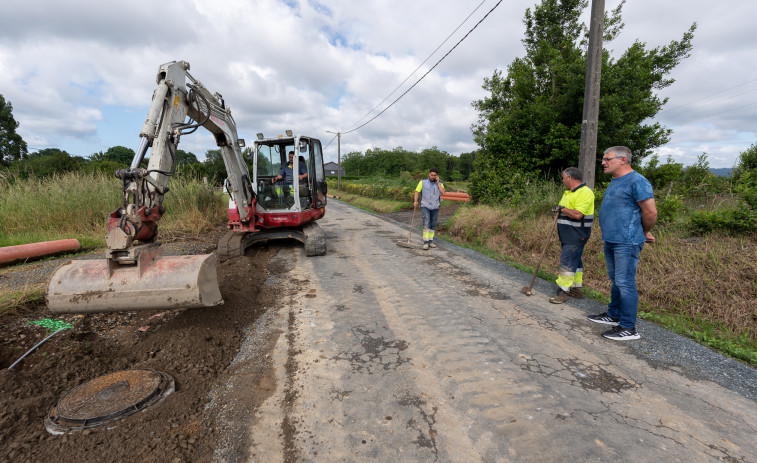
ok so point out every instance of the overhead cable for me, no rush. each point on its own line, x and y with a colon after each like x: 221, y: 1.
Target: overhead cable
x: 711, y: 95
x: 427, y: 73
x: 419, y: 66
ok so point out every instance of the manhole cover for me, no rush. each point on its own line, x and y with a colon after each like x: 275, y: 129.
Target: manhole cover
x: 107, y: 399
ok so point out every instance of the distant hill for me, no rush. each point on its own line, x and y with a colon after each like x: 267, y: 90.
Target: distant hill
x: 722, y: 171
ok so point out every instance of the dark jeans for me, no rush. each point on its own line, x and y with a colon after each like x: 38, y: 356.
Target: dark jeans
x: 622, y: 260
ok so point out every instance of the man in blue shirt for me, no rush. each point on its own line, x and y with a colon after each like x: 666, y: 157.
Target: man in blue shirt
x: 626, y: 216
x: 287, y: 173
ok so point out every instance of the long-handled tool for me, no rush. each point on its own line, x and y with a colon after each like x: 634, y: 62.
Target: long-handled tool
x: 528, y: 290
x: 410, y: 235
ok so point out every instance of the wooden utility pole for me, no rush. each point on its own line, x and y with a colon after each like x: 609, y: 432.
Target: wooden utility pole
x: 338, y: 159
x: 587, y: 159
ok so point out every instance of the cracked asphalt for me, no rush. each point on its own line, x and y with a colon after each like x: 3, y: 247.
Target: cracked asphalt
x: 393, y: 354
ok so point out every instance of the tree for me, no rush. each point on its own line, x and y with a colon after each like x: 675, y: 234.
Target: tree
x: 215, y: 167
x: 531, y: 120
x: 184, y: 158
x: 119, y: 154
x: 465, y: 164
x: 745, y: 176
x: 12, y: 146
x: 47, y: 162
x: 352, y: 163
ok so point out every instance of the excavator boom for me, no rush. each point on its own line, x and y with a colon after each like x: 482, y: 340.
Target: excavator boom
x: 134, y: 274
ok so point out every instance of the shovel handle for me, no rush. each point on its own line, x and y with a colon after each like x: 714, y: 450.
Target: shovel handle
x: 412, y: 222
x: 544, y: 251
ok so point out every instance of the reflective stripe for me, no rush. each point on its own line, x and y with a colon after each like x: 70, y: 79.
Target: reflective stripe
x: 587, y: 221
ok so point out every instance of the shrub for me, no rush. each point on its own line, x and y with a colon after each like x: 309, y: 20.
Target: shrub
x: 669, y: 207
x: 662, y: 175
x: 735, y: 221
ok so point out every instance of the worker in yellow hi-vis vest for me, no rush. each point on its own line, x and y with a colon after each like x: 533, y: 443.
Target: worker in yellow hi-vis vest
x: 576, y: 209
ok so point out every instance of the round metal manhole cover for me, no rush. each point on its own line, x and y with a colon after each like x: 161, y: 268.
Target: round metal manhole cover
x: 107, y: 399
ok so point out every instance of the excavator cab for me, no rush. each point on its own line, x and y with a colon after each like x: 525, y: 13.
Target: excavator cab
x: 289, y: 184
x: 299, y: 162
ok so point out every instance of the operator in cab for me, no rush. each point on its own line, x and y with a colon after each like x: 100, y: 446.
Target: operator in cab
x: 287, y: 172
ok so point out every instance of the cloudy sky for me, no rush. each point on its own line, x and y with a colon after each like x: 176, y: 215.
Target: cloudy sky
x: 80, y: 73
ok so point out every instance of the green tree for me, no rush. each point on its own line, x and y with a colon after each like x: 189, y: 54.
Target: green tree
x: 745, y: 177
x: 662, y: 176
x: 12, y: 146
x: 465, y: 164
x: 352, y: 163
x: 184, y: 158
x: 47, y: 162
x: 697, y: 180
x: 118, y: 154
x: 215, y: 167
x: 531, y: 120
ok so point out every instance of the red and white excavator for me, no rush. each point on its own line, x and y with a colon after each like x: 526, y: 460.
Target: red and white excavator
x: 134, y: 274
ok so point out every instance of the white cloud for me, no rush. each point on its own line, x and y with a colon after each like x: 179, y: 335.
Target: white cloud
x: 313, y: 66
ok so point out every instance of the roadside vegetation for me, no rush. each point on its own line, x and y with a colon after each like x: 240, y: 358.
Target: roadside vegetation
x: 77, y: 204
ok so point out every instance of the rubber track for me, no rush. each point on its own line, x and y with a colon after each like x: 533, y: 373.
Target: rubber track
x: 230, y: 246
x: 233, y: 244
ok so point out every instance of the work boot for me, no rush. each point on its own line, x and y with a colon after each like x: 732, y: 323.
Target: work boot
x: 431, y: 245
x: 576, y: 292
x: 425, y: 246
x: 559, y: 297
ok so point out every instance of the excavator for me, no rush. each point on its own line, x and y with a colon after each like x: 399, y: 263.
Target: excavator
x: 269, y: 205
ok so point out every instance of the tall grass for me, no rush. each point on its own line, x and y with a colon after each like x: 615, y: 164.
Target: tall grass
x: 77, y: 204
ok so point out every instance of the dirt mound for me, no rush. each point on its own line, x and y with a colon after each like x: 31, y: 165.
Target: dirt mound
x: 194, y: 346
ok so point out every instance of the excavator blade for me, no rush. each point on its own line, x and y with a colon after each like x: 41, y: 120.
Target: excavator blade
x: 86, y: 286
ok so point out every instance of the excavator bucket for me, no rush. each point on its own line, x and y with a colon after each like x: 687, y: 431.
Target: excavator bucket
x: 87, y: 286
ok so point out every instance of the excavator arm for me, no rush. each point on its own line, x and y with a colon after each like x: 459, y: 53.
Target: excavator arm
x: 173, y: 101
x: 135, y: 275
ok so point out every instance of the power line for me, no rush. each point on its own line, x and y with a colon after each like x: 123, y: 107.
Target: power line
x: 720, y: 112
x: 427, y: 73
x: 419, y: 66
x: 711, y: 95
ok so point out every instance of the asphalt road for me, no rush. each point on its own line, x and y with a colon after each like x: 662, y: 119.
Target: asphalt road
x: 391, y: 354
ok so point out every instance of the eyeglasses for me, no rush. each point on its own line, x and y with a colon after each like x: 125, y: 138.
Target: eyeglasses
x: 611, y: 158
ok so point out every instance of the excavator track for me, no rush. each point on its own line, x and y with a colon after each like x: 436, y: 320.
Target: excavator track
x: 233, y: 244
x: 230, y: 245
x: 315, y: 240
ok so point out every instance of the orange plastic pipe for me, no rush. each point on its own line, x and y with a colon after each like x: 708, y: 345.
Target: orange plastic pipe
x: 456, y: 197
x: 10, y: 254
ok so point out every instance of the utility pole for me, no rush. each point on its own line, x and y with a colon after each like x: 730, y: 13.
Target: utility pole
x: 587, y: 159
x: 338, y: 159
